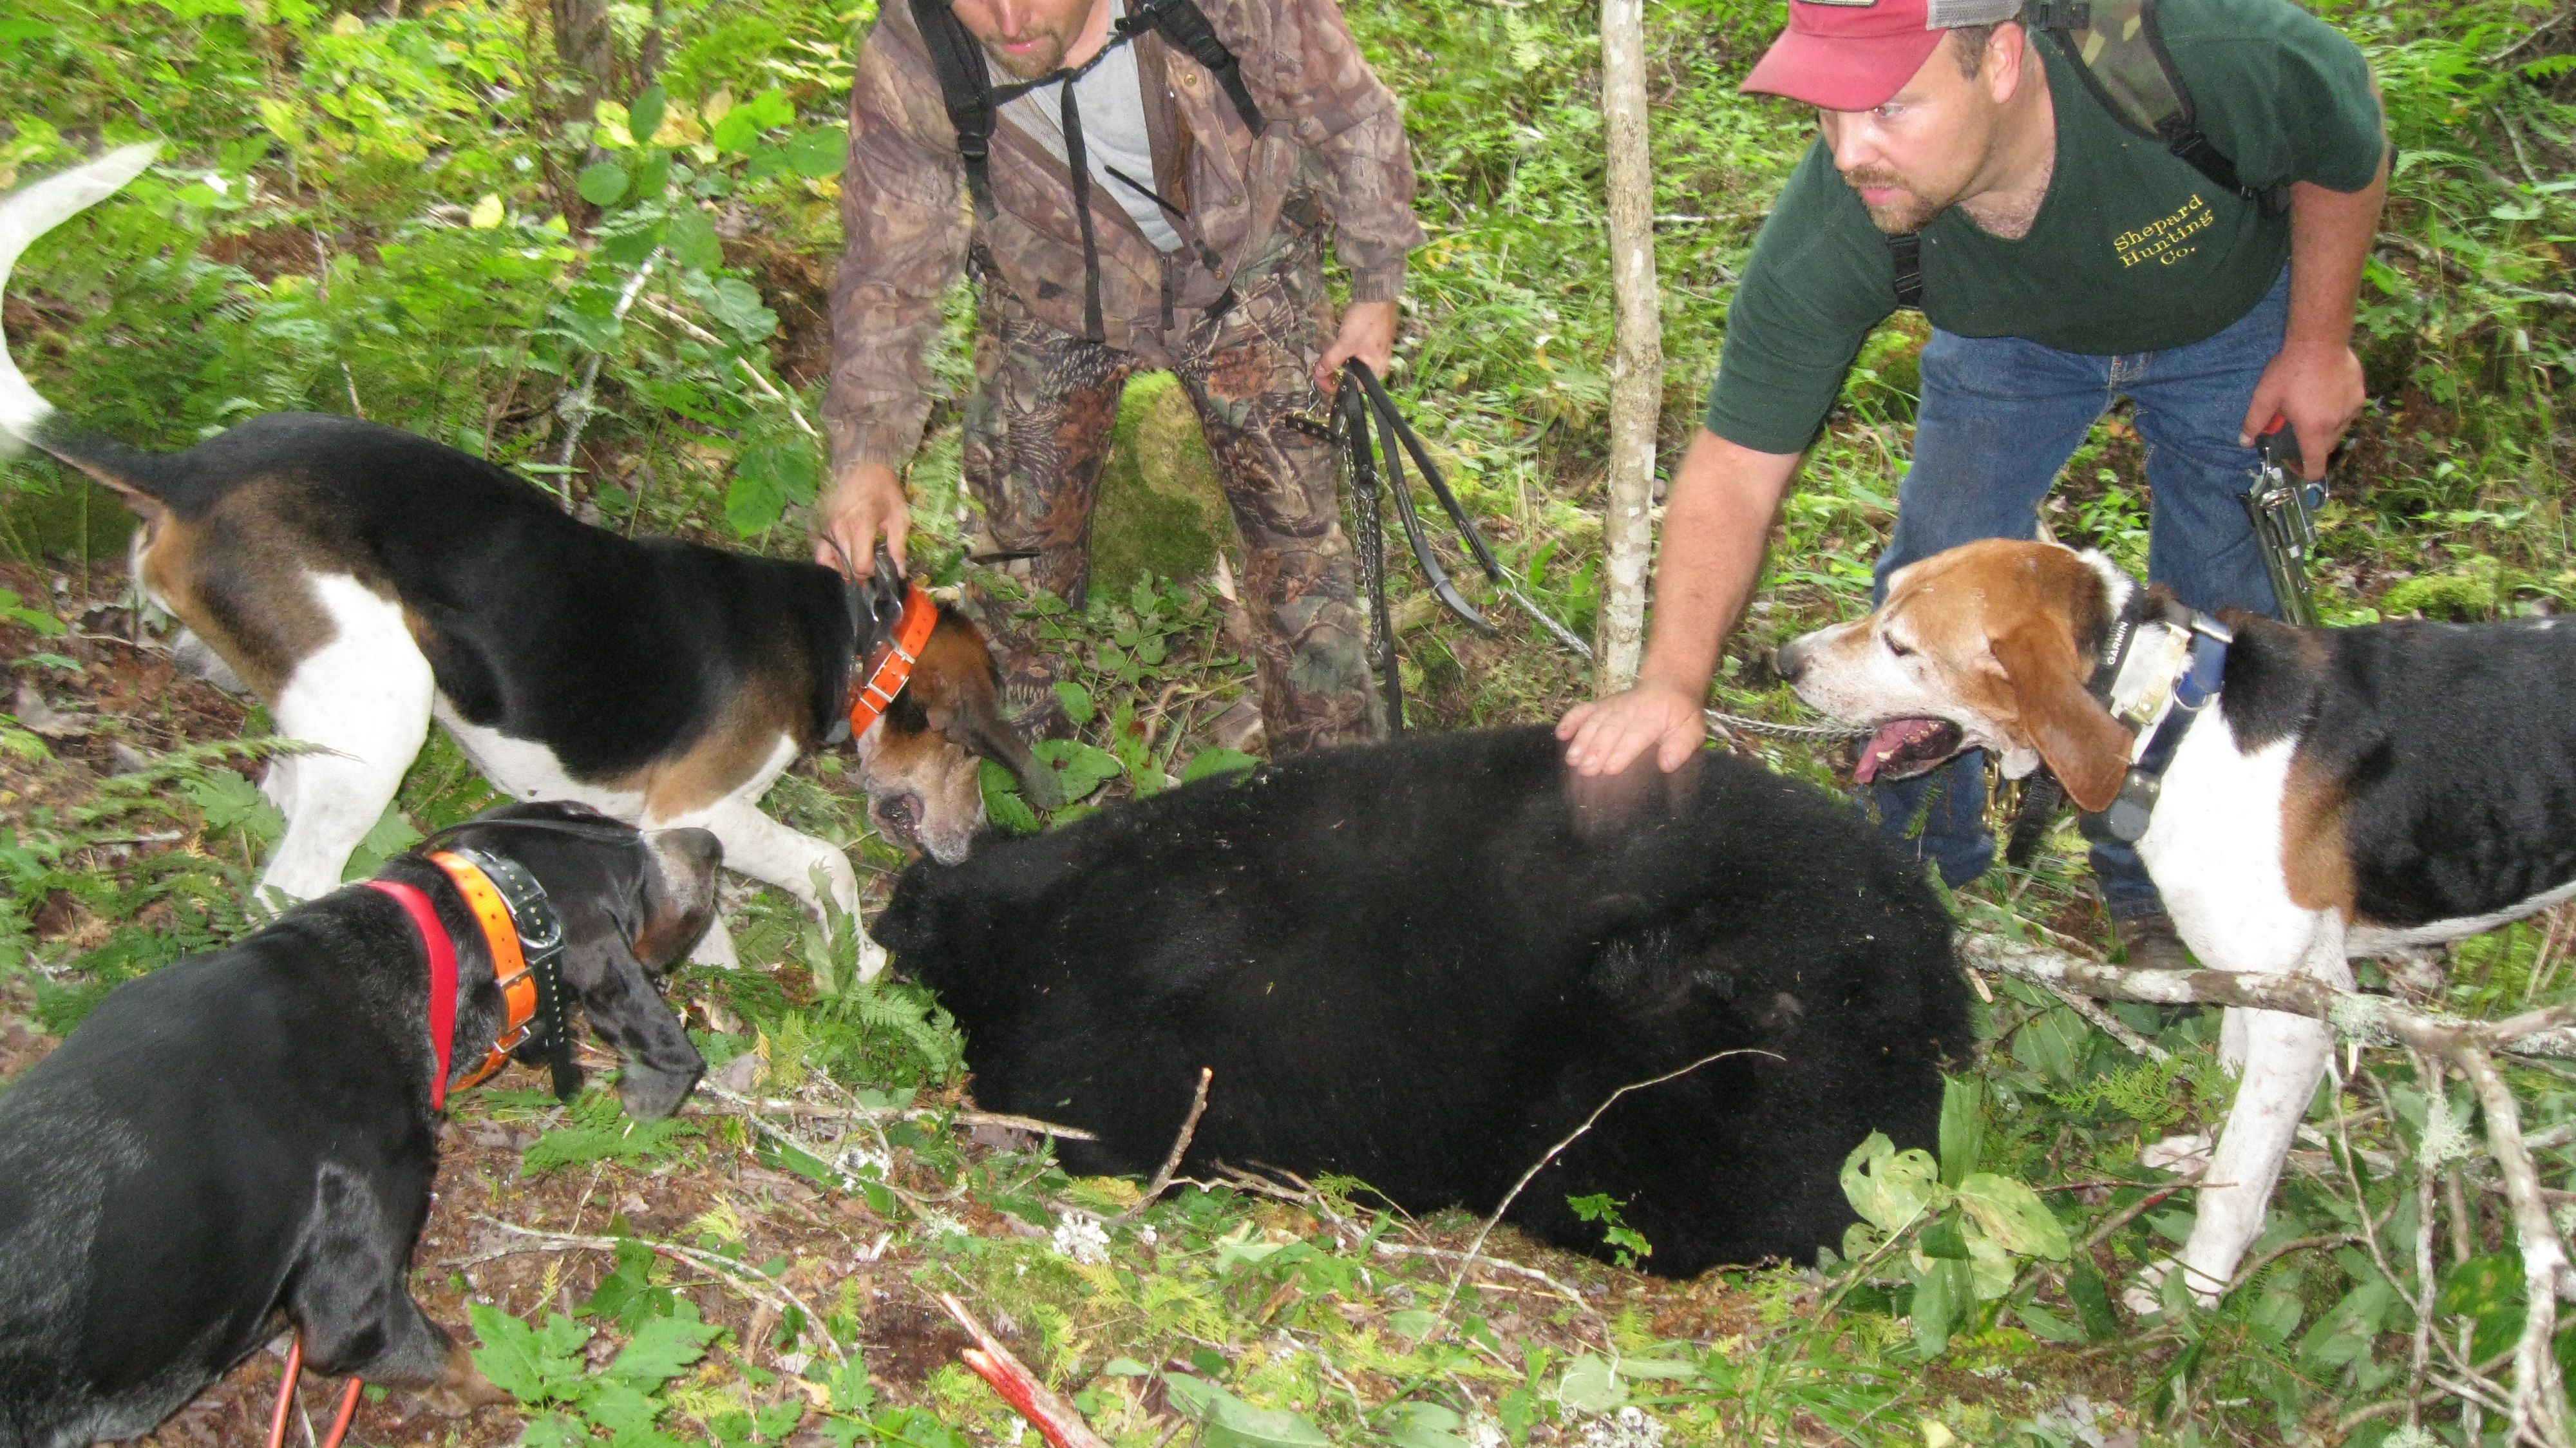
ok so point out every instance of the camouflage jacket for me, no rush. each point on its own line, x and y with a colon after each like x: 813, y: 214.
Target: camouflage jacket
x: 1331, y: 130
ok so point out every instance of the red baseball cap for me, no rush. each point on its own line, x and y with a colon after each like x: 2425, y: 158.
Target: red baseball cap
x: 1851, y: 55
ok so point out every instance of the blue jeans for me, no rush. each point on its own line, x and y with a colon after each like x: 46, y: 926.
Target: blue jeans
x: 1999, y: 418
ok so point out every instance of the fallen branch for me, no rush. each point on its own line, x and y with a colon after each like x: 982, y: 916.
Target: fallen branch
x: 1057, y: 1419
x: 1162, y: 1181
x: 2539, y: 1395
x: 745, y: 1277
x: 2367, y: 1019
x: 1029, y: 1124
x: 2537, y: 1403
x: 575, y: 408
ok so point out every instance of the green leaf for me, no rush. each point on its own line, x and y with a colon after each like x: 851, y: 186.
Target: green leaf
x: 1423, y: 1425
x: 1590, y: 1386
x: 1217, y: 761
x: 1888, y: 1187
x: 663, y: 1347
x: 229, y: 801
x: 1944, y: 1238
x: 554, y: 1430
x: 1002, y: 802
x: 620, y: 1407
x: 692, y: 240
x: 740, y: 129
x: 820, y: 153
x: 602, y: 184
x: 736, y: 303
x: 644, y: 117
x: 1935, y: 1299
x: 1963, y: 1127
x: 766, y: 479
x: 1126, y: 1367
x: 2092, y: 1299
x: 1078, y: 704
x: 393, y: 833
x: 2012, y: 1215
x: 628, y: 245
x: 2488, y: 1290
x: 2047, y: 1326
x: 530, y: 1364
x: 1414, y: 1323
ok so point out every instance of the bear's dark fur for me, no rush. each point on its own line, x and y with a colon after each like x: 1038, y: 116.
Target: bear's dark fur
x: 1422, y: 964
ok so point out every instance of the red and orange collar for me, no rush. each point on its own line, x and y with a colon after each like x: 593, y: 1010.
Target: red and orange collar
x: 526, y: 943
x: 889, y: 668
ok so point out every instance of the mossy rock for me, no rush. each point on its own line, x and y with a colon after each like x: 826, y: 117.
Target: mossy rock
x: 72, y: 517
x: 1160, y: 510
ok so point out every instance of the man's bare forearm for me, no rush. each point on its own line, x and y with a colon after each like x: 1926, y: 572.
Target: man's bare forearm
x: 1717, y: 523
x: 2330, y: 235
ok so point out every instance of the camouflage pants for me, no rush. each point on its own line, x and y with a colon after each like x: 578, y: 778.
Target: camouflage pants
x: 1037, y: 431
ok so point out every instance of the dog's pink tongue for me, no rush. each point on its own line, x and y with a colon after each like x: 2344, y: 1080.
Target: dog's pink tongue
x: 1889, y: 742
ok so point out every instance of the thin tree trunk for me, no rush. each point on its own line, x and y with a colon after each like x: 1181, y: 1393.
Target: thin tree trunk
x: 587, y: 47
x: 1637, y: 374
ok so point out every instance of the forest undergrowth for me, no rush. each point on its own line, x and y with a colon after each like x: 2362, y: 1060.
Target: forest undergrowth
x: 412, y: 212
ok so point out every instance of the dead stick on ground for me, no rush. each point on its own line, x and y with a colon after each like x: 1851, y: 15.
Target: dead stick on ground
x: 1059, y: 1420
x: 1162, y: 1181
x: 2354, y: 1015
x: 2539, y: 1395
x: 745, y: 1277
x: 2538, y: 1402
x: 2111, y: 1025
x: 1450, y: 1298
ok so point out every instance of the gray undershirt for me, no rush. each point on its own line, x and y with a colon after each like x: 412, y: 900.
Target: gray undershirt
x: 1112, y: 100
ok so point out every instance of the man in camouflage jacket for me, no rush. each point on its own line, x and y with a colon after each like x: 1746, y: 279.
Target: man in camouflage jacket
x: 1233, y: 303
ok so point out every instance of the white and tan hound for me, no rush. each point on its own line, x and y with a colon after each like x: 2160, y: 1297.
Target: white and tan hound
x: 2346, y: 792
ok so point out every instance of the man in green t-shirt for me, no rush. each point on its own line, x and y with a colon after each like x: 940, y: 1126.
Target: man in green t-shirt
x: 2066, y: 261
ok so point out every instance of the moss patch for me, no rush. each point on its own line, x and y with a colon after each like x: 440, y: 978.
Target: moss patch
x: 1161, y: 510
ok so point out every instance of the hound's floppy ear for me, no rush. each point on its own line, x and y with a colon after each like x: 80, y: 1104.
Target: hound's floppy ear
x: 2082, y: 743
x: 618, y: 996
x: 959, y: 693
x: 977, y: 726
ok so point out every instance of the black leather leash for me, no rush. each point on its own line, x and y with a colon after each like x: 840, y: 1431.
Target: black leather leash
x: 1360, y: 400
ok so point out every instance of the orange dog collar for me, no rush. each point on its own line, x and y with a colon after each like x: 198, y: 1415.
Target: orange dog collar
x: 509, y: 963
x: 526, y: 940
x: 889, y: 668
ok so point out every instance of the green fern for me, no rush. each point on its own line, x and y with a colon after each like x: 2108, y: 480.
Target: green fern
x: 2143, y: 1093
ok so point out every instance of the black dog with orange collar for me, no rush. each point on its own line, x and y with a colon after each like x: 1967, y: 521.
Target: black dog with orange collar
x: 254, y: 1131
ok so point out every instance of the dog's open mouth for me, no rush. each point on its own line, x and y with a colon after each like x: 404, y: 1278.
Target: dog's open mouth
x: 898, y: 819
x: 1903, y: 748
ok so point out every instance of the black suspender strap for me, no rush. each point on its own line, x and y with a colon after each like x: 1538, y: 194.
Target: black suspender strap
x: 974, y: 105
x: 1185, y: 25
x: 1906, y: 250
x: 965, y: 89
x: 1079, y: 163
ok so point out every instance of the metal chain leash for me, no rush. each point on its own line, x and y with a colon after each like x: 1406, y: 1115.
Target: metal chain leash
x: 1724, y: 722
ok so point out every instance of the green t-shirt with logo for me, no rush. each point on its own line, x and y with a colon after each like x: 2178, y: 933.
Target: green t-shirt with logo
x: 2133, y: 250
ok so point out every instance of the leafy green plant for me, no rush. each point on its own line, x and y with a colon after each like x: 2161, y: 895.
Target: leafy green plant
x: 547, y: 1368
x: 1965, y: 1231
x: 1630, y: 1246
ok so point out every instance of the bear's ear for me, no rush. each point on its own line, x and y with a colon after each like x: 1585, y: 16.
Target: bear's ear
x: 2053, y: 712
